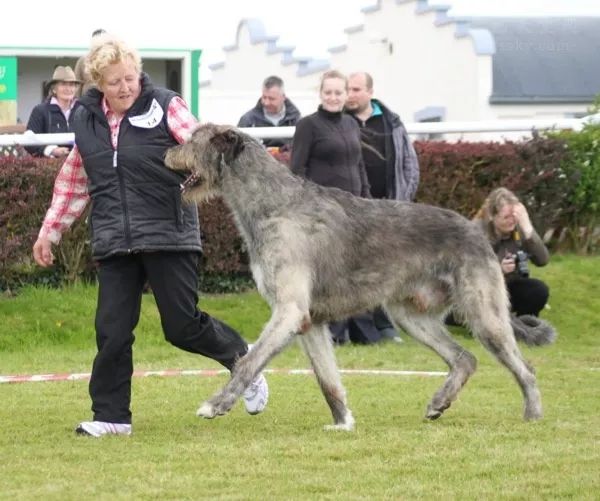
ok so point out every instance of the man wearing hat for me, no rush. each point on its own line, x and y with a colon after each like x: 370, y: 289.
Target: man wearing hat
x: 52, y: 116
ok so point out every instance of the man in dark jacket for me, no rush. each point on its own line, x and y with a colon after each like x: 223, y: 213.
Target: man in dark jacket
x: 390, y: 159
x: 273, y: 109
x: 394, y: 172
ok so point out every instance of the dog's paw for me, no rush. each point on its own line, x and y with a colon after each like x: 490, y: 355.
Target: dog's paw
x: 339, y: 427
x: 434, y: 411
x: 433, y: 414
x: 533, y: 417
x: 206, y: 410
x: 346, y: 425
x: 533, y: 413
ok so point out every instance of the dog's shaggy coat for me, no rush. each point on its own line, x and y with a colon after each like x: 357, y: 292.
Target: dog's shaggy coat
x: 319, y: 254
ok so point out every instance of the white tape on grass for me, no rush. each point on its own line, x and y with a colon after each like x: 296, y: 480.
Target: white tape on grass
x: 36, y: 378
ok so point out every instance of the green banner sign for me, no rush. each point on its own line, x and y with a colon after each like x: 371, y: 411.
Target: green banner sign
x: 8, y: 78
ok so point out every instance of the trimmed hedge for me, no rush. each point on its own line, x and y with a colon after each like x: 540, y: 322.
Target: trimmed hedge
x: 557, y: 176
x: 459, y: 176
x: 25, y: 192
x: 26, y: 186
x: 581, y: 199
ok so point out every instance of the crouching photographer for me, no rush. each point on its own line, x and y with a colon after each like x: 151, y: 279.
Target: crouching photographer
x: 516, y: 243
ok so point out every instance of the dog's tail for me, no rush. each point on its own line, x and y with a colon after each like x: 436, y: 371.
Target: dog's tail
x: 532, y: 330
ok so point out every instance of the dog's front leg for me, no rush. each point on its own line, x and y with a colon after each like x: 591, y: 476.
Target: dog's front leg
x: 319, y: 348
x: 285, y: 322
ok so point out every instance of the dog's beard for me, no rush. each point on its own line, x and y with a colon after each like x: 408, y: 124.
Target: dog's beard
x: 196, y: 187
x: 198, y: 193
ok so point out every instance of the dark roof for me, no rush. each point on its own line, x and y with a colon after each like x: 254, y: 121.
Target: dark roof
x: 544, y: 59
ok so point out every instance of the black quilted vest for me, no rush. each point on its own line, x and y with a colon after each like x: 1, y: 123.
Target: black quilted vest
x: 136, y: 200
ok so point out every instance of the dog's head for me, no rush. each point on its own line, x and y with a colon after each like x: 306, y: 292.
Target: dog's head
x: 208, y: 152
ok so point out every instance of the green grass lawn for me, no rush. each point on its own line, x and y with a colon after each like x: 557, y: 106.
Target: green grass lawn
x: 479, y: 449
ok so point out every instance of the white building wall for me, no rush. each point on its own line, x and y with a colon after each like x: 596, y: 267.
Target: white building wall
x: 226, y: 107
x: 415, y: 62
x: 236, y: 85
x: 247, y: 66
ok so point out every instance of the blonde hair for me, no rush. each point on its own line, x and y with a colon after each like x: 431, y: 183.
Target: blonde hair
x: 333, y: 74
x: 105, y: 51
x: 494, y: 202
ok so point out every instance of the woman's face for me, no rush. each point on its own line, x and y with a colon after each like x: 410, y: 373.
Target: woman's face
x: 333, y: 94
x: 120, y: 84
x: 504, y: 221
x: 65, y: 91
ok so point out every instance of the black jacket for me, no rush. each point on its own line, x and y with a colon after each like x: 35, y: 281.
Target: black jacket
x: 402, y: 164
x: 136, y: 200
x: 327, y: 150
x: 256, y: 118
x: 533, y: 246
x: 48, y: 118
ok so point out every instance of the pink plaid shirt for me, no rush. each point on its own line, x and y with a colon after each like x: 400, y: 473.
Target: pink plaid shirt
x: 70, y: 195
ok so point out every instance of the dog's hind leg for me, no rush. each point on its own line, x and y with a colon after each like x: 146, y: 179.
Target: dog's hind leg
x: 429, y: 330
x: 319, y: 349
x: 495, y: 333
x: 485, y: 306
x: 285, y: 322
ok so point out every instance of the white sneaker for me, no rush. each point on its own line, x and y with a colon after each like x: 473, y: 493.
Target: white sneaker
x: 100, y: 428
x: 256, y: 395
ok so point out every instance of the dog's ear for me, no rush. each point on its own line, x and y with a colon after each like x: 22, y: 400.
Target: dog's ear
x: 229, y: 143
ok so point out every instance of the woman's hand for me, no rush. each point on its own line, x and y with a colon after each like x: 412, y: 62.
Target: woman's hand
x: 60, y: 151
x: 42, y: 252
x: 508, y: 264
x: 522, y: 218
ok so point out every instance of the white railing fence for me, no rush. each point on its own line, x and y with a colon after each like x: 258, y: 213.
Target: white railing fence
x: 486, y: 126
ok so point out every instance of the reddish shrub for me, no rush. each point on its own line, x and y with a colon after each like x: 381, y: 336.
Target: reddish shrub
x: 453, y: 175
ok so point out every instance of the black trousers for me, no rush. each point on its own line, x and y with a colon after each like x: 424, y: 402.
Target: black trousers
x: 359, y: 329
x: 528, y: 296
x: 174, y: 282
x: 381, y: 319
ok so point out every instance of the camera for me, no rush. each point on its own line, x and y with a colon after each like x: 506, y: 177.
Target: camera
x: 522, y: 268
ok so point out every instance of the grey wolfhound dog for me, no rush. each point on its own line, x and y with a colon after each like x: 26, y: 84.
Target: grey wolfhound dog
x: 320, y: 254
